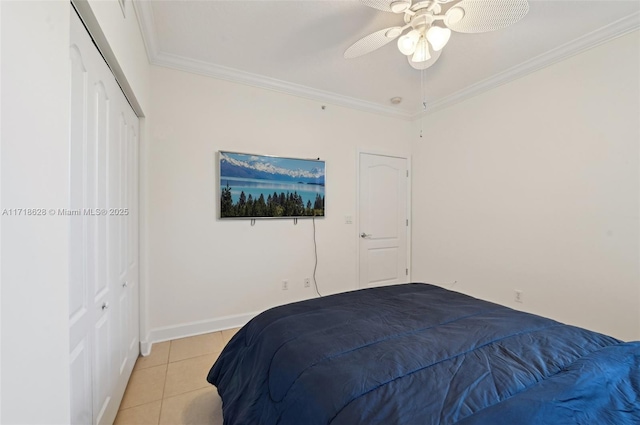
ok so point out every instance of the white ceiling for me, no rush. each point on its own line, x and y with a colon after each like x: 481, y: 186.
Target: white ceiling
x: 297, y: 47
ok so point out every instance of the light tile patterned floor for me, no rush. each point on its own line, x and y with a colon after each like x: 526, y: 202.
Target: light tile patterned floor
x: 169, y: 386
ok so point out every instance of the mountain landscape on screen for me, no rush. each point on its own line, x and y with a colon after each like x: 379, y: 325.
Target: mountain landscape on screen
x: 266, y: 168
x: 255, y: 186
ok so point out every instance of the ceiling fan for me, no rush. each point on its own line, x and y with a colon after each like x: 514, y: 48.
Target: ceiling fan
x: 424, y: 41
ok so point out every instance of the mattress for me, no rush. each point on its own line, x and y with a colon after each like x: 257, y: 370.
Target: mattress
x: 418, y: 354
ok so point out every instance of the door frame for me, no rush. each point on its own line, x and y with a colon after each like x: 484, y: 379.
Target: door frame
x: 393, y: 154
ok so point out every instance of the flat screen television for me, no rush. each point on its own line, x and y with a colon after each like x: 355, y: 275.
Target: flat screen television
x: 262, y: 186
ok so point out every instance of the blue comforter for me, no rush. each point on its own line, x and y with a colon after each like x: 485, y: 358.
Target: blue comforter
x: 418, y: 354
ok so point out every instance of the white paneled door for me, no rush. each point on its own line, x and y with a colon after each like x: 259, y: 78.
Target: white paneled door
x: 103, y: 295
x: 383, y: 220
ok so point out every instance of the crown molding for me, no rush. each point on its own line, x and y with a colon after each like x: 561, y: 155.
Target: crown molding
x: 595, y: 38
x: 602, y: 35
x: 268, y: 83
x: 144, y: 13
x: 157, y: 57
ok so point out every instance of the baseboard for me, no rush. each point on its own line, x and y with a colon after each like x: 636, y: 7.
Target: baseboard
x: 194, y: 328
x: 145, y: 346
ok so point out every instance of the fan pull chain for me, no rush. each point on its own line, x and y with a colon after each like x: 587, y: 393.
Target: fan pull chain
x: 424, y: 101
x: 422, y: 118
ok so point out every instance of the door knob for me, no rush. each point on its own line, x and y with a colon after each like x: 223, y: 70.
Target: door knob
x: 365, y: 235
x: 105, y: 305
x: 125, y: 284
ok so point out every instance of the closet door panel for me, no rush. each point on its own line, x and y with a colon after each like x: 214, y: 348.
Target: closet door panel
x: 103, y: 304
x: 102, y: 370
x: 117, y: 168
x: 80, y: 320
x: 81, y: 397
x: 131, y: 233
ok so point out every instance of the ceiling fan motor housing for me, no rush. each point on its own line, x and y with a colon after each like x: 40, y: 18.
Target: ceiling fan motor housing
x: 421, y: 20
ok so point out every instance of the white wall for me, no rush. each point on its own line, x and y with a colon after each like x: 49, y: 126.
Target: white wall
x: 35, y: 122
x: 203, y: 269
x: 535, y: 186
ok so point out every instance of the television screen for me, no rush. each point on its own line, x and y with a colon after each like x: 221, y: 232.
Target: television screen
x: 260, y: 186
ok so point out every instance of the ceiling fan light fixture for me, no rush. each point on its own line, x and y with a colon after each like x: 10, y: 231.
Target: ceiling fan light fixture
x: 426, y: 64
x: 438, y: 37
x: 408, y: 42
x: 422, y: 51
x: 400, y: 6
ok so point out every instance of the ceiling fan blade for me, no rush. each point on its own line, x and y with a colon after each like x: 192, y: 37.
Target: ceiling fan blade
x: 475, y: 16
x: 372, y: 42
x: 384, y: 5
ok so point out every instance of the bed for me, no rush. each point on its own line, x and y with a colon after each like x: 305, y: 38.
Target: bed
x: 418, y: 354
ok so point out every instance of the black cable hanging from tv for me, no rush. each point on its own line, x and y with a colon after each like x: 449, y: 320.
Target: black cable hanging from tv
x: 315, y: 251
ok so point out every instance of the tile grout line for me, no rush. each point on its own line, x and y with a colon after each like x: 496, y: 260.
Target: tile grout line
x: 164, y: 386
x: 216, y: 352
x: 187, y: 392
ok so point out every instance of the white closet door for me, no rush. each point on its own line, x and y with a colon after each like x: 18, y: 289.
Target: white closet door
x: 80, y: 312
x: 130, y: 279
x: 103, y: 299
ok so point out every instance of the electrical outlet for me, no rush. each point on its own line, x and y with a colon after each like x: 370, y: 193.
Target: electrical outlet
x: 348, y: 219
x: 518, y: 296
x: 307, y: 282
x: 285, y: 285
